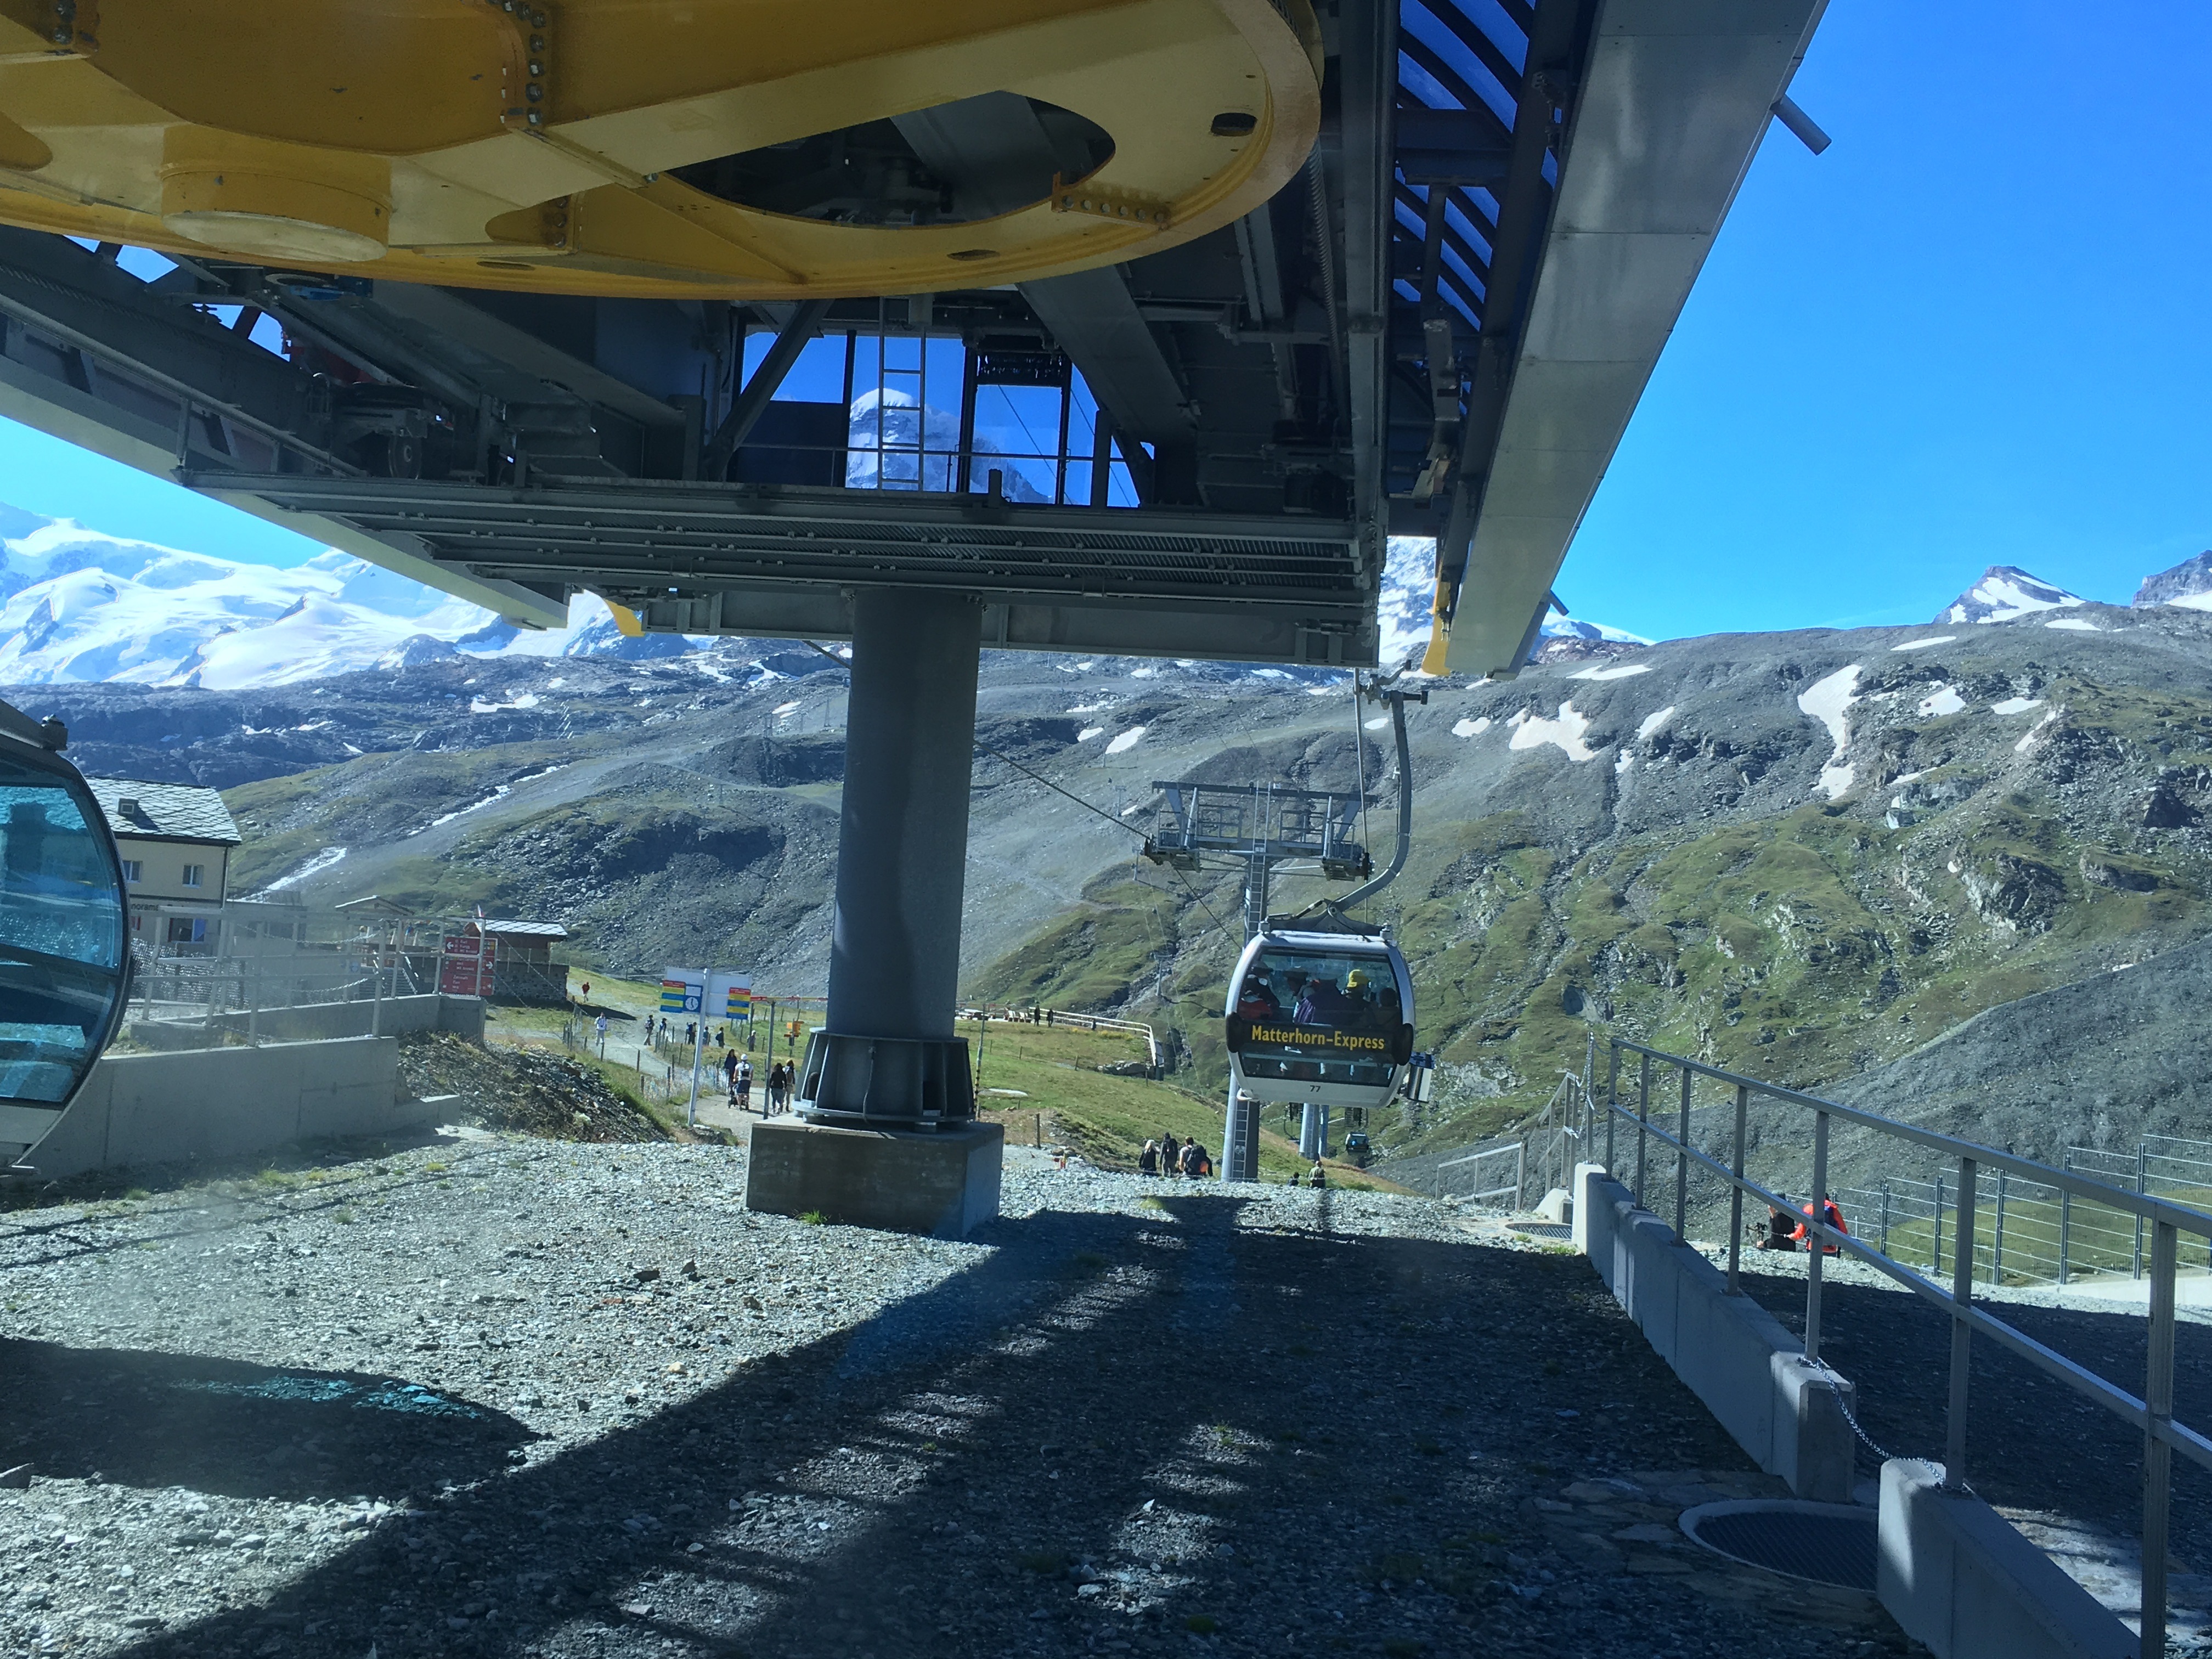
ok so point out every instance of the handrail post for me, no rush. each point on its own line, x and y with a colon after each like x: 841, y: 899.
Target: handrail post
x: 1936, y: 1259
x: 1612, y: 1098
x: 2157, y: 1456
x: 2142, y: 1163
x: 1962, y: 1334
x: 1682, y: 1162
x: 1885, y: 1215
x: 1996, y: 1242
x: 2065, y: 1214
x: 1736, y: 1191
x: 1642, y: 1124
x: 1816, y: 1236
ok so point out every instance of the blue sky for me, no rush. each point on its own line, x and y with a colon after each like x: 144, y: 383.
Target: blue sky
x: 1973, y: 332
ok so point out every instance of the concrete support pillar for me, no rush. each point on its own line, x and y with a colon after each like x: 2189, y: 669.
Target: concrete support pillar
x: 902, y: 839
x: 1313, y: 1132
x: 888, y: 1056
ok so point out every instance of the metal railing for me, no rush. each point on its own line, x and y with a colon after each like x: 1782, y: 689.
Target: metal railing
x: 1516, y: 1149
x: 1073, y: 1020
x: 2163, y: 1221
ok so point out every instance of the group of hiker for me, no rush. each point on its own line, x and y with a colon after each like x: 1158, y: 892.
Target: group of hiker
x: 1169, y: 1157
x: 1783, y: 1230
x: 737, y: 1072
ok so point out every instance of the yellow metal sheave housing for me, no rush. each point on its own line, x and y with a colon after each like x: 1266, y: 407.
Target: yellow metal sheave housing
x: 751, y: 149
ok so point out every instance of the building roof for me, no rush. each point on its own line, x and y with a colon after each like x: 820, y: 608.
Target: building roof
x: 165, y: 811
x: 524, y: 929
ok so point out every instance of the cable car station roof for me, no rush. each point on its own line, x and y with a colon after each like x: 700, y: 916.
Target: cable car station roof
x: 1407, y: 272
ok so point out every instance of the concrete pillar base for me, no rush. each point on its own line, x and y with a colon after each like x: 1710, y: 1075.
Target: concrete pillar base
x: 945, y: 1184
x: 890, y: 1082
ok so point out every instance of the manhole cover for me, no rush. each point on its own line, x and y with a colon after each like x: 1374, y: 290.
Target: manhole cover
x: 1827, y: 1543
x: 1540, y: 1229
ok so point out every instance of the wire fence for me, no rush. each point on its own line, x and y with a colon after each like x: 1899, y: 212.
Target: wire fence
x: 2040, y: 1233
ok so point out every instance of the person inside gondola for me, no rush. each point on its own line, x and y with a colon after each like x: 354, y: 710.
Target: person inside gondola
x: 1322, y: 1004
x: 1256, y: 1000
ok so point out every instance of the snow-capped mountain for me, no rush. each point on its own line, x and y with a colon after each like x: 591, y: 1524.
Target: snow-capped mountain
x: 2188, y: 583
x: 1409, y: 591
x: 82, y: 605
x: 919, y: 447
x: 2005, y: 592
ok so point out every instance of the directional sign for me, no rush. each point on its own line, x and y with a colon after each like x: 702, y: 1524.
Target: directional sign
x: 683, y: 990
x: 731, y: 995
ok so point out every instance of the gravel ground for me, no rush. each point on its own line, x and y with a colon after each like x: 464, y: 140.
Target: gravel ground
x: 506, y: 1396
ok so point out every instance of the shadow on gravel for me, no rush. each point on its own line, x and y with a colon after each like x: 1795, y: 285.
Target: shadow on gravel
x: 216, y: 1425
x: 1287, y: 1422
x: 2032, y: 1441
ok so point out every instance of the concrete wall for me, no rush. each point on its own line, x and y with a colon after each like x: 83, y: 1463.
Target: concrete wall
x: 321, y: 1020
x: 226, y: 1103
x: 1957, y: 1577
x: 1751, y: 1373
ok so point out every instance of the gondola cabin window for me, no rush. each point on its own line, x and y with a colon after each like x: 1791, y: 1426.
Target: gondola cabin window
x: 61, y: 934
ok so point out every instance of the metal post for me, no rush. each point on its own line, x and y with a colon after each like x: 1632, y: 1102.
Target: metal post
x: 2157, y: 1456
x: 1997, y: 1241
x: 1935, y: 1260
x: 1885, y: 1215
x: 376, y: 1007
x: 1682, y: 1162
x: 1962, y: 1334
x: 253, y: 1009
x: 1735, y: 1188
x: 1612, y: 1102
x: 2142, y: 1163
x: 1643, y: 1126
x: 1520, y: 1176
x: 2065, y: 1214
x: 1816, y: 1236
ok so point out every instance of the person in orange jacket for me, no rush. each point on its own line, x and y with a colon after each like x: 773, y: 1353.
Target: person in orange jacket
x: 1831, y: 1216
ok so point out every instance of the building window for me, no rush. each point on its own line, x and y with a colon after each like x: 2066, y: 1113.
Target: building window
x: 193, y: 873
x: 133, y: 872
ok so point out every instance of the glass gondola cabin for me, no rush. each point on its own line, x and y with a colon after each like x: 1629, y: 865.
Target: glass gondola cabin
x: 1320, y: 1018
x: 64, y: 974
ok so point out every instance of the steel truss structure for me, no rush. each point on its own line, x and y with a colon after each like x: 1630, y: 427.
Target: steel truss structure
x: 1440, y: 327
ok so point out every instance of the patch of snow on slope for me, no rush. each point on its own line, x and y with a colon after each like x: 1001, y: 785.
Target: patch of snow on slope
x: 1623, y: 761
x: 2194, y: 601
x: 1473, y: 728
x: 1565, y: 732
x: 315, y: 866
x: 2004, y: 593
x: 1653, y: 721
x: 1827, y: 700
x: 1089, y: 733
x: 1378, y: 723
x: 2015, y: 705
x: 1613, y: 671
x: 2079, y: 625
x: 1125, y: 741
x: 1914, y: 645
x: 1943, y: 700
x: 2036, y: 731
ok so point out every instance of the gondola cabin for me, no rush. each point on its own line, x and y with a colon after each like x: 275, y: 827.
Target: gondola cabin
x: 1325, y: 1018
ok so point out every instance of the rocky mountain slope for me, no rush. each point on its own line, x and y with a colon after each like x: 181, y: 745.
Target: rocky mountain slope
x: 1806, y: 854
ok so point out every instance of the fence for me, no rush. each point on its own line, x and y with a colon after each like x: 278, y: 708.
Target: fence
x: 2160, y: 1219
x: 2040, y: 1233
x: 1078, y: 1022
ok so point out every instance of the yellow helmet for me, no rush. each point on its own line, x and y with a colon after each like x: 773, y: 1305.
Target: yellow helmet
x: 1356, y: 979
